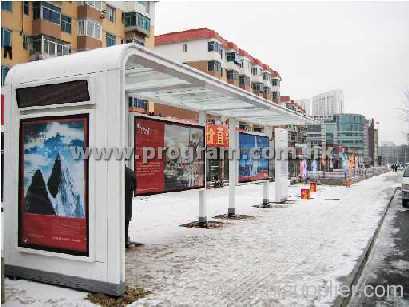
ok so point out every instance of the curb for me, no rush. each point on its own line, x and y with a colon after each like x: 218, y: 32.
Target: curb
x: 353, y: 277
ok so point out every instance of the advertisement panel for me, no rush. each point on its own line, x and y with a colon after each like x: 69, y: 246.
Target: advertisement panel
x: 251, y: 165
x: 177, y: 164
x: 281, y: 164
x: 53, y: 186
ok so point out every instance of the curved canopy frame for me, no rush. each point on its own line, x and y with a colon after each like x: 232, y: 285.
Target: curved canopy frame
x: 111, y: 74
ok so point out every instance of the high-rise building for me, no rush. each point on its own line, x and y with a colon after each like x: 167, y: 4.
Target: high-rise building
x: 33, y: 30
x: 327, y: 104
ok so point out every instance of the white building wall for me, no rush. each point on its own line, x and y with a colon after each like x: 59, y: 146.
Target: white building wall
x: 246, y: 69
x: 196, y: 51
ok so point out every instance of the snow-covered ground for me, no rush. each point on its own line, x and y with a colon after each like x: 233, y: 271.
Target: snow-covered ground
x: 286, y: 256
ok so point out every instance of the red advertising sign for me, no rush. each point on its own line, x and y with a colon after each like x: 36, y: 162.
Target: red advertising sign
x: 165, y: 172
x: 53, y: 185
x: 149, y: 176
x: 217, y: 136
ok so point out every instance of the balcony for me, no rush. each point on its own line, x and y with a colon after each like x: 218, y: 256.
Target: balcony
x: 233, y: 61
x: 87, y: 11
x: 135, y: 21
x: 42, y: 47
x: 46, y: 19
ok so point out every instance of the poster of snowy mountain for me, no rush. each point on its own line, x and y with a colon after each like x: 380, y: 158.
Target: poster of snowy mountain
x: 53, y: 187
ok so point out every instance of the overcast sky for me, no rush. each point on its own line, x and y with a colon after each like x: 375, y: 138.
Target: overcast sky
x: 361, y: 48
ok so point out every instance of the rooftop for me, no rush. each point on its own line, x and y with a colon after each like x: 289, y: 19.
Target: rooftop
x: 206, y: 33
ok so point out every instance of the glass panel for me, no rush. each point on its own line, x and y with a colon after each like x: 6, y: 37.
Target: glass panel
x: 97, y: 30
x: 51, y: 48
x: 59, y: 49
x: 6, y: 5
x: 45, y: 46
x: 90, y: 28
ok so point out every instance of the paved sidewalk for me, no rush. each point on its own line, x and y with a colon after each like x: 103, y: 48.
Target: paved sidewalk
x: 388, y: 263
x: 292, y: 256
x: 295, y: 256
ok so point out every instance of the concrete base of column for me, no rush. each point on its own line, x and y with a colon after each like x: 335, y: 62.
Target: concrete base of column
x: 202, y: 220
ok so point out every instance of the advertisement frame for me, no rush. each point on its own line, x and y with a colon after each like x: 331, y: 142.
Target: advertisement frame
x: 186, y: 125
x: 20, y: 244
x: 268, y: 164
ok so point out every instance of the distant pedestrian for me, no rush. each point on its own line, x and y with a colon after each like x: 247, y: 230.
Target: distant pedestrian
x: 130, y: 186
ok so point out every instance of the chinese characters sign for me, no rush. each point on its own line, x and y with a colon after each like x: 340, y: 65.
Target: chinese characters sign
x: 217, y: 136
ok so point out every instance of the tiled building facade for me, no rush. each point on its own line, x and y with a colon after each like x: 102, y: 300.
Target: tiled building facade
x: 34, y: 30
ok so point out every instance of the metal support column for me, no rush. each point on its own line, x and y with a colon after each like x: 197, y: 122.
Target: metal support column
x: 233, y: 166
x: 202, y: 193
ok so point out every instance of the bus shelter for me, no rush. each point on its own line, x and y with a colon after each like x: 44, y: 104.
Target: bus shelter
x: 64, y: 216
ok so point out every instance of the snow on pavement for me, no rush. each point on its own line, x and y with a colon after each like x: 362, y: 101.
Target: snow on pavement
x: 312, y: 243
x: 308, y: 246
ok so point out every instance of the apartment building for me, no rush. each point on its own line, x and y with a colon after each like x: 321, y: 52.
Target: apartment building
x: 327, y: 104
x: 207, y: 51
x: 292, y: 104
x: 305, y: 104
x: 33, y: 30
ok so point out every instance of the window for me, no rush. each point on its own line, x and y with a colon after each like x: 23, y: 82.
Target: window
x: 65, y: 24
x: 135, y: 102
x: 110, y: 14
x: 95, y: 4
x: 265, y: 76
x: 230, y: 56
x: 26, y: 7
x: 4, y: 70
x: 274, y: 82
x: 26, y: 41
x: 184, y: 47
x: 257, y: 87
x: 47, y: 11
x: 110, y: 39
x: 254, y: 71
x: 214, y: 66
x: 232, y: 75
x: 89, y: 28
x: 6, y: 6
x: 5, y: 37
x: 275, y: 95
x: 241, y: 81
x: 213, y: 46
